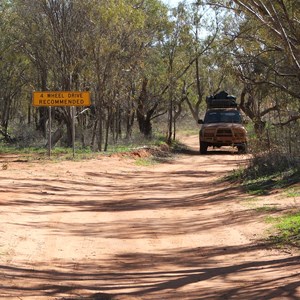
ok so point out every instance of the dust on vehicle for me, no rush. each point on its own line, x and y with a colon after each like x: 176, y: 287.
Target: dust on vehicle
x: 222, y: 124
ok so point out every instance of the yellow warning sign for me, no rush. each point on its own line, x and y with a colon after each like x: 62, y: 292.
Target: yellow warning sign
x: 48, y: 98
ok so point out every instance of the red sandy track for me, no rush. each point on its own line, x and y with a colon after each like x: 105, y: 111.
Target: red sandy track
x: 109, y: 229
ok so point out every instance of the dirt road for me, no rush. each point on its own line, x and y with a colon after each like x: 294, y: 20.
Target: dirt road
x: 109, y: 229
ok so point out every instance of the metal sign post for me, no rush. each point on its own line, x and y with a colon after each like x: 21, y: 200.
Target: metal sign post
x: 62, y: 98
x: 73, y: 129
x: 49, y: 137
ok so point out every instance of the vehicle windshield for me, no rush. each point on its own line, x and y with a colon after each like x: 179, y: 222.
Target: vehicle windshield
x: 222, y: 116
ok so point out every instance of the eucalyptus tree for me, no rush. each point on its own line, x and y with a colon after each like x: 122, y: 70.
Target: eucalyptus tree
x: 150, y: 100
x: 266, y: 48
x: 102, y: 46
x: 185, y: 58
x: 124, y: 33
x: 263, y: 43
x: 177, y: 39
x: 280, y: 18
x: 280, y: 54
x: 105, y: 26
x: 12, y: 70
x: 52, y: 35
x: 126, y: 61
x: 32, y: 38
x: 199, y: 74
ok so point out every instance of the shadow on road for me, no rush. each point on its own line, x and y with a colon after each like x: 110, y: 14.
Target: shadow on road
x: 219, y: 271
x: 194, y: 151
x: 107, y: 280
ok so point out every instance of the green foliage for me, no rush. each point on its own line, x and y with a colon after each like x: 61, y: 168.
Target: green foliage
x: 159, y: 150
x: 145, y: 162
x: 262, y: 185
x: 57, y: 153
x: 111, y: 47
x: 273, y: 162
x: 136, y: 141
x: 266, y: 209
x: 288, y: 230
x: 235, y: 175
x: 293, y: 192
x: 5, y: 149
x: 266, y: 171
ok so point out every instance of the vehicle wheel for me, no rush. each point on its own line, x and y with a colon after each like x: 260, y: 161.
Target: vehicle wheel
x: 242, y: 149
x: 203, y: 148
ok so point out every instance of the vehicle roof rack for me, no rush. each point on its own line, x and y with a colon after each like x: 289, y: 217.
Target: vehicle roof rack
x: 221, y: 100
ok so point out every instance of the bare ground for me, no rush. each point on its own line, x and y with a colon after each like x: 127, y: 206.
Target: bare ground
x: 109, y: 229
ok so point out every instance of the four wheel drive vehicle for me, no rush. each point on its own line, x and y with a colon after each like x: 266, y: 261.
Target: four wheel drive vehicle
x: 222, y: 124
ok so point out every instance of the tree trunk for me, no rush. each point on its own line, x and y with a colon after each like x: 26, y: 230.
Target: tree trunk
x: 129, y: 122
x: 170, y: 121
x: 100, y: 135
x: 43, y: 111
x: 144, y: 118
x: 107, y: 126
x: 67, y: 117
x: 119, y: 123
x: 55, y: 137
x: 247, y: 107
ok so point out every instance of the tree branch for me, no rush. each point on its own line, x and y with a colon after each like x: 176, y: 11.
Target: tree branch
x: 291, y: 119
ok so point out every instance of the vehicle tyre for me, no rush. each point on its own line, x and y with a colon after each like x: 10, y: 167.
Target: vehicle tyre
x: 203, y: 148
x: 242, y: 149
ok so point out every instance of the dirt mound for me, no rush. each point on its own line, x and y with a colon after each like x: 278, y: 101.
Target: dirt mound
x: 146, y: 152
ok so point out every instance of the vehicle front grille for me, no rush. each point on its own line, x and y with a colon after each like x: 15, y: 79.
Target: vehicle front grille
x: 224, y: 132
x: 209, y: 133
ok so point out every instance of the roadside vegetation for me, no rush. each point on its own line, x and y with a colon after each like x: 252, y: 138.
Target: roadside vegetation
x: 273, y: 171
x: 153, y: 149
x: 287, y: 230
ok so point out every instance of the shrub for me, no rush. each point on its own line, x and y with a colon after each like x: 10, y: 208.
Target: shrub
x: 27, y: 136
x: 271, y: 162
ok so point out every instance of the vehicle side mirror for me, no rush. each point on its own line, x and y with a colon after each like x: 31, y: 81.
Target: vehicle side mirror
x: 200, y: 122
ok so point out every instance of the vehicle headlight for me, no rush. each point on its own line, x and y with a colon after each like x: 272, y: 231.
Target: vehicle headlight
x: 239, y: 133
x: 209, y: 133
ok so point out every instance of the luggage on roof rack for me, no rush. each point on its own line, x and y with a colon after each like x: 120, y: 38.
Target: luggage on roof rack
x: 221, y: 100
